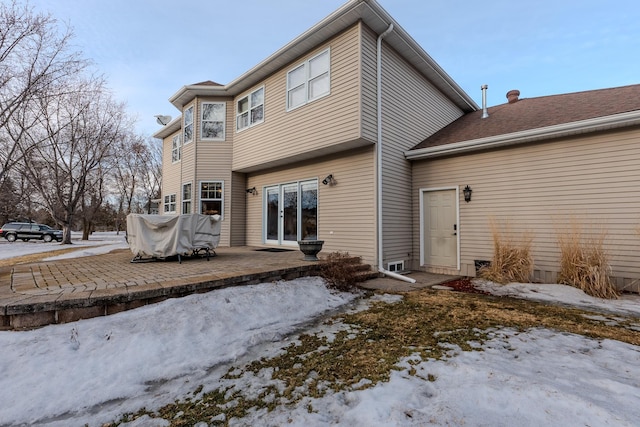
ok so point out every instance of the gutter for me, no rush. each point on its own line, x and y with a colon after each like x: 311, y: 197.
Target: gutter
x: 379, y: 162
x: 556, y: 131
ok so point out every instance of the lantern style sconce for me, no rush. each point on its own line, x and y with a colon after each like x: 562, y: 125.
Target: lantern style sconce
x: 252, y: 191
x: 329, y: 180
x: 467, y: 193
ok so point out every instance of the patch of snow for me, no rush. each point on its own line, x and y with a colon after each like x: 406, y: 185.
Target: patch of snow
x: 93, y: 371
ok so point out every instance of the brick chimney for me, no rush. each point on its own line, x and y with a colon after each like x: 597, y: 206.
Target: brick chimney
x: 513, y: 95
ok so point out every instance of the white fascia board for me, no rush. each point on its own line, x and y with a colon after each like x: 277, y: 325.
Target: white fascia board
x: 566, y: 129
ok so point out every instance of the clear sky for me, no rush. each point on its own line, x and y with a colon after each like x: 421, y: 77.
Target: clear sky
x: 149, y: 49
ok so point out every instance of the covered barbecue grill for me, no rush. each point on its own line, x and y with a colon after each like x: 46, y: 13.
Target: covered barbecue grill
x: 153, y: 237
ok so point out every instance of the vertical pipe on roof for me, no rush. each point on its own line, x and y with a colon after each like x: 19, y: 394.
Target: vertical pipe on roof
x: 485, y: 113
x: 379, y: 161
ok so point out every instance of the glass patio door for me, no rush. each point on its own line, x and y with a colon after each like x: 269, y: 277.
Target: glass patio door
x: 290, y: 212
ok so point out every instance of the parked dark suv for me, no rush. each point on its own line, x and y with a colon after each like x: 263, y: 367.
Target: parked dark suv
x: 27, y: 231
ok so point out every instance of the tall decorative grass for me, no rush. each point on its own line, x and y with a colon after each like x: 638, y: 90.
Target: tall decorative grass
x: 512, y: 260
x: 584, y: 261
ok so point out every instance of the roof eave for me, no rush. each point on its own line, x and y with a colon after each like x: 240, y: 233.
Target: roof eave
x: 186, y: 93
x: 615, y: 121
x: 169, y: 128
x: 374, y: 16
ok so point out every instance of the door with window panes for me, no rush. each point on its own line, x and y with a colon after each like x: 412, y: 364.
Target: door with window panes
x: 291, y: 212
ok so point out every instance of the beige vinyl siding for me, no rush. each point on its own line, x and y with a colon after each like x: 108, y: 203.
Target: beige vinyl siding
x: 237, y: 209
x: 212, y: 162
x: 315, y: 127
x: 412, y: 109
x: 538, y: 188
x: 346, y: 211
x: 171, y: 172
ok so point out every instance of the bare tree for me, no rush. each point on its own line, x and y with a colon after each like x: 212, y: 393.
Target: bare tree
x: 79, y: 129
x: 152, y: 177
x: 128, y: 173
x: 34, y: 58
x: 92, y: 199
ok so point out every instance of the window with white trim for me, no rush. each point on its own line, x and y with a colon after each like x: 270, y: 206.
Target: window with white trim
x: 170, y: 203
x: 250, y: 109
x: 309, y: 80
x: 186, y: 198
x: 188, y: 125
x: 213, y: 118
x: 395, y: 266
x: 211, y: 198
x: 176, y: 149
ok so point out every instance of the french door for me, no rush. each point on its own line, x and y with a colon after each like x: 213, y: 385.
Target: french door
x: 291, y: 212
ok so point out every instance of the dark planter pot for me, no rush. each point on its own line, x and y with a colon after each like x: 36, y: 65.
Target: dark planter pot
x: 310, y: 248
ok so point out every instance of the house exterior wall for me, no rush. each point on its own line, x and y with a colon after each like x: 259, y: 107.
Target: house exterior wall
x: 318, y: 127
x: 539, y: 188
x: 238, y: 209
x: 346, y: 211
x: 412, y: 109
x: 335, y: 134
x: 212, y: 161
x: 171, y: 172
x: 204, y: 160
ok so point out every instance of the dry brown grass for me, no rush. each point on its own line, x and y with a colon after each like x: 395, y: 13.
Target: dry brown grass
x: 584, y: 261
x: 425, y: 322
x: 512, y: 260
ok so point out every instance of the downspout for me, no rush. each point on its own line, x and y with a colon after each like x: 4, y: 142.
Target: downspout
x: 379, y: 163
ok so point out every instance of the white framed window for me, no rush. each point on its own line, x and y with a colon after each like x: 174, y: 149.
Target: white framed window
x: 395, y: 266
x: 211, y: 197
x: 250, y: 109
x: 188, y: 125
x: 170, y: 203
x: 213, y: 119
x: 309, y: 81
x: 176, y: 149
x: 186, y: 198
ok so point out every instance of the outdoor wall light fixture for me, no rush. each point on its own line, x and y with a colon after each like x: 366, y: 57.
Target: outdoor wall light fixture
x: 329, y: 180
x: 467, y: 193
x: 252, y: 191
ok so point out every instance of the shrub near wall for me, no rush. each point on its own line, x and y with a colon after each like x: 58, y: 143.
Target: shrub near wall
x: 512, y: 260
x: 584, y: 261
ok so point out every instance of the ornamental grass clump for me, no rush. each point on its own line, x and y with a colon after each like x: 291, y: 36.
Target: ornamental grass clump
x: 584, y: 261
x: 512, y: 260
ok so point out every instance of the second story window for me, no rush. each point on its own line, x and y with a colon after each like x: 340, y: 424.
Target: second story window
x: 250, y: 109
x: 188, y: 125
x: 176, y: 149
x: 213, y: 115
x: 309, y: 80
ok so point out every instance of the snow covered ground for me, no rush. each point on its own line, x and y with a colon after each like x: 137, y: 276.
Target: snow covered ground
x: 91, y: 371
x: 98, y: 243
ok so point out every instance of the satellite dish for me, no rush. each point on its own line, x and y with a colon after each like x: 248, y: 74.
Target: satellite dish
x: 163, y: 120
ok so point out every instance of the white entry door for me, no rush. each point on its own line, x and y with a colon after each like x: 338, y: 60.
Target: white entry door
x: 440, y: 228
